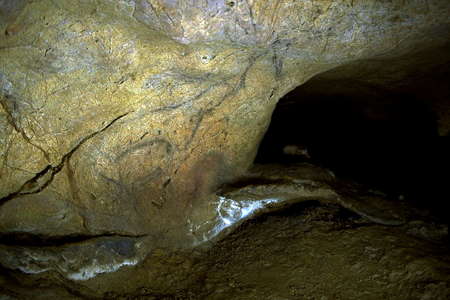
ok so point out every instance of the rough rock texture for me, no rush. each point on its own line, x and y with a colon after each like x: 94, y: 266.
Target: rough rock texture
x: 119, y: 120
x: 316, y: 252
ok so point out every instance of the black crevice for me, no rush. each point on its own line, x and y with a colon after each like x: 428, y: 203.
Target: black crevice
x: 248, y: 181
x: 24, y: 239
x: 53, y: 170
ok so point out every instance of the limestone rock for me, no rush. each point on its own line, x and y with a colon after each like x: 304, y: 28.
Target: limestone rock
x: 120, y: 119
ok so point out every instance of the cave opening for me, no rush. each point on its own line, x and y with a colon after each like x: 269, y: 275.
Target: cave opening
x: 384, y: 139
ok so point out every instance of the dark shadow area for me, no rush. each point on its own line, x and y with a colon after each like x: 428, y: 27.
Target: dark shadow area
x: 335, y: 213
x: 388, y: 141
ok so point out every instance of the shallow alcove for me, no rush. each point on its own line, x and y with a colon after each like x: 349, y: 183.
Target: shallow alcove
x: 383, y: 138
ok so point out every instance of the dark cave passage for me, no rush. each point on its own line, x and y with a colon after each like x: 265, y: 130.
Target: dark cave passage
x: 385, y: 140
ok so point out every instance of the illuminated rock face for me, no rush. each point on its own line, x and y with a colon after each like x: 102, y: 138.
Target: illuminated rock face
x: 120, y: 119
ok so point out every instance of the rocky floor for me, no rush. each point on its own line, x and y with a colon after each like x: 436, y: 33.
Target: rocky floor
x: 308, y: 250
x: 314, y: 251
x: 323, y: 252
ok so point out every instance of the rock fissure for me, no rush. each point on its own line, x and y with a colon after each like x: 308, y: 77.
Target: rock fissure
x: 25, y: 239
x: 50, y: 170
x: 170, y: 202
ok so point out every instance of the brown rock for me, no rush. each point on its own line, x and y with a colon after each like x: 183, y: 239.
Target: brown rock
x: 119, y: 120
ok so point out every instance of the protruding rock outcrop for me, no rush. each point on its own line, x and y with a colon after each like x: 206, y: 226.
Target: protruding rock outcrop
x: 119, y: 120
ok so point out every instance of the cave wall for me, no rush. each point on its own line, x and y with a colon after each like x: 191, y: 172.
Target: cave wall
x: 121, y: 118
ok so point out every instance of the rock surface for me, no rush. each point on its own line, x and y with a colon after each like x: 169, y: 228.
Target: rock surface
x: 119, y: 120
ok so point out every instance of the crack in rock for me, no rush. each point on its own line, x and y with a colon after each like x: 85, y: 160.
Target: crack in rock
x: 49, y: 172
x: 26, y: 239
